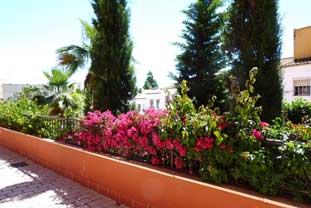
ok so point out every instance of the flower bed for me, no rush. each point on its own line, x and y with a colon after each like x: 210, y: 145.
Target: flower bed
x: 231, y: 148
x: 134, y: 185
x: 236, y: 148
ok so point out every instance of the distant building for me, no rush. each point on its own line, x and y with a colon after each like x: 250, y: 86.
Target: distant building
x: 157, y: 98
x: 296, y: 70
x: 10, y: 90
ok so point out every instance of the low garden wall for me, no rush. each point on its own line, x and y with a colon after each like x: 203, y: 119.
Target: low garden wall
x: 131, y: 184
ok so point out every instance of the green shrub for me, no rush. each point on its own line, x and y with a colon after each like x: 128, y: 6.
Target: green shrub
x: 20, y: 114
x: 297, y: 110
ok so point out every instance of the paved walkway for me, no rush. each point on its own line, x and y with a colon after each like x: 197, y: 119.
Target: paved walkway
x: 34, y: 186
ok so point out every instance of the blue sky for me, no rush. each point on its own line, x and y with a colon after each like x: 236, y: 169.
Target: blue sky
x: 32, y: 30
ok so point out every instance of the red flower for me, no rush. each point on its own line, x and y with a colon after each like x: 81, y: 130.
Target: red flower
x: 264, y: 124
x: 222, y: 147
x: 225, y: 147
x: 229, y: 150
x: 155, y: 161
x: 178, y: 163
x: 169, y: 144
x: 257, y: 134
x: 203, y: 143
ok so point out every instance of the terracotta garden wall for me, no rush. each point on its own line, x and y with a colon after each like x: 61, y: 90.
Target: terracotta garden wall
x: 134, y: 185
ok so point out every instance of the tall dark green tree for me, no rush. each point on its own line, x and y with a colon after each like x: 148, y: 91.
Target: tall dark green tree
x: 150, y: 82
x: 112, y: 74
x: 201, y: 58
x: 254, y: 40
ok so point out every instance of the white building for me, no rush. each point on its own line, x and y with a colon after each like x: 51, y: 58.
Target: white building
x: 157, y: 98
x: 296, y: 79
x: 10, y: 90
x: 296, y: 70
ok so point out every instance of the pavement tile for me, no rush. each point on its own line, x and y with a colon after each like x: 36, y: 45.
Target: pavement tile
x: 35, y: 186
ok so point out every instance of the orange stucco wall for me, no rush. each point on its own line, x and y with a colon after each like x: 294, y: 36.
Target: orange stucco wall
x: 134, y: 185
x: 302, y: 43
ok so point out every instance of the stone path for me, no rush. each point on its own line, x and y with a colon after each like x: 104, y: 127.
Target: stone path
x: 34, y: 186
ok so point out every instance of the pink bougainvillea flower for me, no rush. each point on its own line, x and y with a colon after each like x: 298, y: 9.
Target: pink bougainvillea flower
x: 264, y: 124
x: 181, y: 149
x: 178, y: 163
x: 132, y: 132
x: 204, y: 143
x: 155, y: 161
x: 169, y: 145
x: 153, y: 151
x: 257, y: 134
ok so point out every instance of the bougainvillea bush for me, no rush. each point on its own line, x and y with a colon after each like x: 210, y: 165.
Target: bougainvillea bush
x: 235, y: 147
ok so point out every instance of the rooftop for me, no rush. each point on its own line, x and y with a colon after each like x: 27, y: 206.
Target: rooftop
x: 290, y: 61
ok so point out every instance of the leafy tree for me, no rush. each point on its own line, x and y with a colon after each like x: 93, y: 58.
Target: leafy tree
x: 114, y: 83
x: 110, y: 81
x: 150, y: 82
x: 253, y: 39
x: 202, y: 59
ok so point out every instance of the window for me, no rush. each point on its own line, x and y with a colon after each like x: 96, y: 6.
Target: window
x: 151, y: 103
x: 302, y: 88
x: 158, y: 103
x: 139, y: 107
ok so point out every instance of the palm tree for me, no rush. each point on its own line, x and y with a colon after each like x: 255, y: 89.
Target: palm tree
x: 57, y: 92
x: 58, y: 80
x: 73, y: 57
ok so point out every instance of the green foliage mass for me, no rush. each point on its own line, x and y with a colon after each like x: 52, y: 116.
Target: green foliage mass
x: 20, y: 114
x: 150, y: 82
x: 297, y: 111
x: 114, y: 82
x: 26, y: 115
x: 253, y: 39
x: 278, y: 162
x: 201, y: 58
x: 61, y: 96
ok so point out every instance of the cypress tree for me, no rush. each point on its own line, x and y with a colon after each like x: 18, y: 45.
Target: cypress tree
x: 150, y: 82
x: 114, y: 83
x: 201, y: 58
x: 254, y: 40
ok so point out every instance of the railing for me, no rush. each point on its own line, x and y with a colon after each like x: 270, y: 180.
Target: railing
x: 56, y: 127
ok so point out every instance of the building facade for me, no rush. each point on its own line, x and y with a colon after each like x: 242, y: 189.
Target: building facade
x: 296, y: 79
x: 157, y: 98
x: 10, y: 90
x: 296, y: 71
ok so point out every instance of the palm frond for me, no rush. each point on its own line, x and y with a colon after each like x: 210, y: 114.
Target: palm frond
x: 72, y: 57
x: 89, y: 31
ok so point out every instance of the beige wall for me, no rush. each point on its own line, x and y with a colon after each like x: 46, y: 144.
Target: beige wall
x: 302, y: 43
